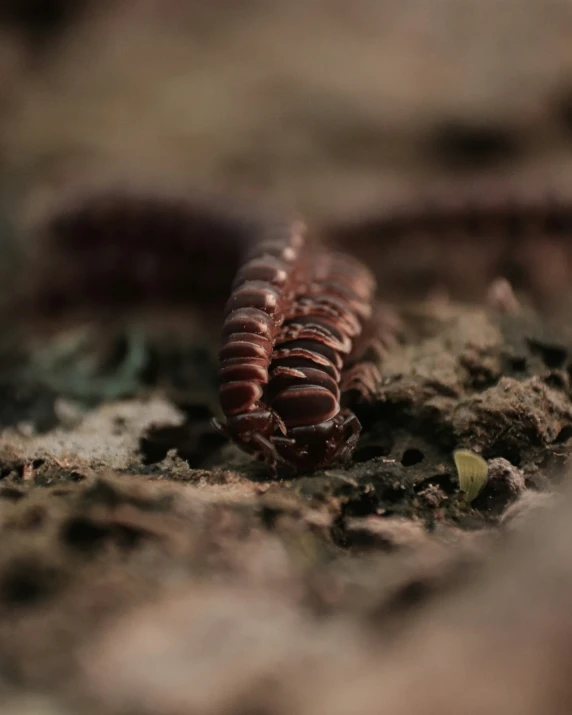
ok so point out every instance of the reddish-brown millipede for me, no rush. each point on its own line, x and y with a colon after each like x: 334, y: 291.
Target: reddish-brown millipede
x: 291, y: 321
x: 461, y: 241
x: 291, y: 324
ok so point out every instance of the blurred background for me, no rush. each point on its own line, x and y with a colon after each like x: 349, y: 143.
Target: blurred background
x: 322, y: 106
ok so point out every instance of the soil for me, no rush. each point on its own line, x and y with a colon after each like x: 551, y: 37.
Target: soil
x: 147, y: 565
x: 136, y: 538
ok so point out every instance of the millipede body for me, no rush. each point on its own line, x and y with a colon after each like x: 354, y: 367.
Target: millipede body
x: 290, y: 328
x: 460, y: 242
x: 290, y: 325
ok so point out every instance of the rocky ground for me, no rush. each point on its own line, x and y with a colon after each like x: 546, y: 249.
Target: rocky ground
x: 147, y: 566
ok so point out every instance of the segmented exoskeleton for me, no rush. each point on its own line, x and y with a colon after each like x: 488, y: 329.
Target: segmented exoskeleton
x: 291, y: 324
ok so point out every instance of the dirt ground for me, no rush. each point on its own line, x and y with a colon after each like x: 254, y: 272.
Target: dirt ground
x: 148, y: 566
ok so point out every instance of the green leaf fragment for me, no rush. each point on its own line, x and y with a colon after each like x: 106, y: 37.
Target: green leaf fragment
x: 472, y: 470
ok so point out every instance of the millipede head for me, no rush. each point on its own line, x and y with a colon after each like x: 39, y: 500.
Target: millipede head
x: 316, y: 446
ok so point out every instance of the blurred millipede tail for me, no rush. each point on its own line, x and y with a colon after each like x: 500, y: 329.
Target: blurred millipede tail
x: 460, y: 244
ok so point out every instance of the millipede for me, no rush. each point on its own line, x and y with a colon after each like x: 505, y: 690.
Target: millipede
x: 290, y: 325
x: 123, y: 247
x: 293, y: 323
x: 461, y: 241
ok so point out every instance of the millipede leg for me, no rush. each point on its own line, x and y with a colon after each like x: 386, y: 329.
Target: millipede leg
x: 267, y: 450
x: 352, y: 425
